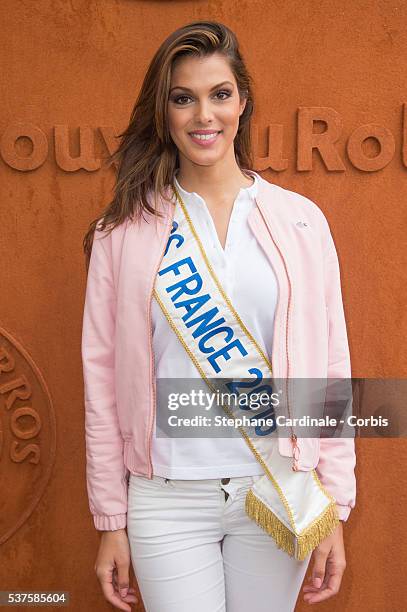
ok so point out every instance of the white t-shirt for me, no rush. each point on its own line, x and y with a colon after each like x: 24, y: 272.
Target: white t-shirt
x: 249, y: 280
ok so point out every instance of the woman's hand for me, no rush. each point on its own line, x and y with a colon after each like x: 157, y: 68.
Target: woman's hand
x: 112, y: 569
x: 329, y: 565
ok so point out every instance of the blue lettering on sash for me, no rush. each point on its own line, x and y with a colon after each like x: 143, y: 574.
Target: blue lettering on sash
x: 183, y: 286
x: 224, y: 352
x: 174, y: 237
x: 177, y: 264
x: 205, y: 326
x: 192, y: 305
x: 210, y: 334
x: 269, y: 413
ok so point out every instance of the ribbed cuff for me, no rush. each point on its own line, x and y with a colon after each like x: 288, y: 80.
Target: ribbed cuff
x: 104, y: 522
x: 343, y: 512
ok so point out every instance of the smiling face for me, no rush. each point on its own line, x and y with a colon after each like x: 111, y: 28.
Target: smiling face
x: 204, y: 109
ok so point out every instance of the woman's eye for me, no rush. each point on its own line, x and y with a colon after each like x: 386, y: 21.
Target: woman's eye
x: 224, y: 92
x: 181, y: 99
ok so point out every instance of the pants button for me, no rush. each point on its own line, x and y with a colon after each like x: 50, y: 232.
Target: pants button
x: 225, y: 480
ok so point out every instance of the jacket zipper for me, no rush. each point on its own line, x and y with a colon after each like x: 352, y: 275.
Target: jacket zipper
x: 152, y: 360
x: 296, y: 450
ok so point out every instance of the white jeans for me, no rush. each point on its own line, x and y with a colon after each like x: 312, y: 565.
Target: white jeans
x: 193, y: 550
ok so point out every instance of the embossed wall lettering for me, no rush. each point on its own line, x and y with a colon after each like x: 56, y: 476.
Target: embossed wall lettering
x: 27, y: 435
x: 327, y: 143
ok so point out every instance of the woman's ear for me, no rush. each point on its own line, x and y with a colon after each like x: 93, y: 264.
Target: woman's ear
x: 242, y: 106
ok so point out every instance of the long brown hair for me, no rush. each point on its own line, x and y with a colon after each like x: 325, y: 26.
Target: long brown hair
x: 147, y: 157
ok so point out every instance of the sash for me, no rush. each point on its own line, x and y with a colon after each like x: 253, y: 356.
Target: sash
x: 289, y: 504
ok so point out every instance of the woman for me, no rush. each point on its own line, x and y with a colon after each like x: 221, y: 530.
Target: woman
x: 206, y: 528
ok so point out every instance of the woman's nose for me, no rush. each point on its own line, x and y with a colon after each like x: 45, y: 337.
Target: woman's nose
x: 204, y: 112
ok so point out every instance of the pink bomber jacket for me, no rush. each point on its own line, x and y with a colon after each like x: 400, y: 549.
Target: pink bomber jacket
x: 310, y: 341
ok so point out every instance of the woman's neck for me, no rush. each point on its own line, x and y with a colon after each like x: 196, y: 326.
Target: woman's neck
x: 211, y: 184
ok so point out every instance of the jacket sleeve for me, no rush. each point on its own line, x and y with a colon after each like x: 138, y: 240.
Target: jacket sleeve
x: 105, y: 469
x: 337, y: 459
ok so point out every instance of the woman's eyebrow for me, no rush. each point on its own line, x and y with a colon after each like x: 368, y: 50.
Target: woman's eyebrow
x: 212, y: 88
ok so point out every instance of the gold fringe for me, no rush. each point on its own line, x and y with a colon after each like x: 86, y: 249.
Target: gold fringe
x: 268, y: 521
x: 321, y: 528
x: 297, y: 546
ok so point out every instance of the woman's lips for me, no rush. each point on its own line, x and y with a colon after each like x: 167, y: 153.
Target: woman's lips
x: 205, y: 142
